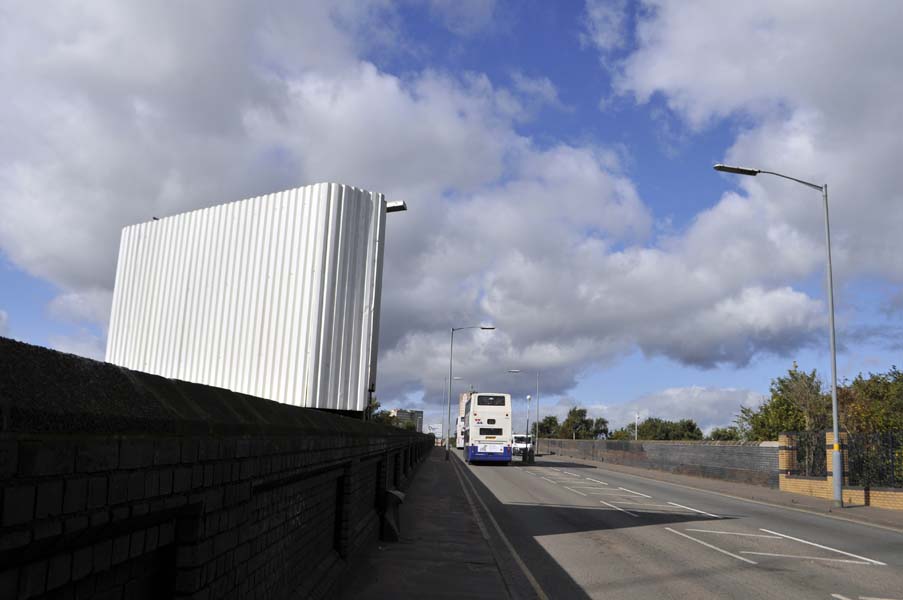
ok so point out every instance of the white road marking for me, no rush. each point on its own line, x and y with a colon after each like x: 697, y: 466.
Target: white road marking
x: 873, y: 598
x: 595, y: 480
x: 617, y: 508
x: 839, y: 597
x: 638, y: 503
x: 520, y: 563
x: 702, y: 512
x: 550, y: 481
x: 708, y: 545
x: 789, y: 537
x: 569, y: 473
x: 554, y: 469
x: 573, y: 490
x: 758, y: 535
x: 632, y: 492
x: 843, y: 560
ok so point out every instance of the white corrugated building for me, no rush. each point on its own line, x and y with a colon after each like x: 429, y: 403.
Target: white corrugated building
x: 275, y: 296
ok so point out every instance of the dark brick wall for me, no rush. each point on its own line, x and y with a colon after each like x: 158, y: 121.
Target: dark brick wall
x: 748, y: 462
x: 119, y: 484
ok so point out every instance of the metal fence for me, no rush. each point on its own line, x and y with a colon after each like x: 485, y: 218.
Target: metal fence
x: 875, y: 459
x: 809, y: 456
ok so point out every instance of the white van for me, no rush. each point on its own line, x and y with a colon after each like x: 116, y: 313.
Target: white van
x: 522, y: 444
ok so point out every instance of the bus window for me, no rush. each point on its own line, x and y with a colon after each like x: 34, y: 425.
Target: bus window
x: 490, y: 401
x: 490, y: 431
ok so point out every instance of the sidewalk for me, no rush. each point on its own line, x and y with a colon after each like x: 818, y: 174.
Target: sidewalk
x: 441, y: 554
x: 890, y: 519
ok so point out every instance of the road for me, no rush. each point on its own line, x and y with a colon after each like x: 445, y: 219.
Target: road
x: 562, y: 529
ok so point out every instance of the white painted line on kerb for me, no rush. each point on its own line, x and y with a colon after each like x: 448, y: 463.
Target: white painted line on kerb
x: 789, y: 537
x: 843, y: 560
x: 632, y: 492
x: 702, y: 512
x: 540, y: 593
x: 757, y: 535
x: 595, y: 480
x: 708, y: 545
x: 575, y: 491
x: 617, y: 508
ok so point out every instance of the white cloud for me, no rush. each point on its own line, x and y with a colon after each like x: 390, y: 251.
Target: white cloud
x: 606, y: 26
x: 118, y: 113
x: 464, y: 17
x: 4, y: 323
x: 817, y: 98
x: 84, y: 343
x: 709, y: 407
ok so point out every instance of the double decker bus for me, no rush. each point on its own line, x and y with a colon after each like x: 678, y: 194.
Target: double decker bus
x: 487, y: 427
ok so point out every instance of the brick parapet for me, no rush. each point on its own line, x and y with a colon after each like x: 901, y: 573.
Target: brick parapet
x: 244, y: 499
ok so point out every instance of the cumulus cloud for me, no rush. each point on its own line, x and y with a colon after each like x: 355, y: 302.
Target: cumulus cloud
x: 115, y: 113
x: 817, y: 99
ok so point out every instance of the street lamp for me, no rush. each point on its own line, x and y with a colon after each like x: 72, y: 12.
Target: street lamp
x: 836, y: 468
x: 536, y: 441
x: 451, y: 354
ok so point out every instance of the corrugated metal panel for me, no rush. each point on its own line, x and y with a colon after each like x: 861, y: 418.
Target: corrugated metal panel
x: 275, y: 296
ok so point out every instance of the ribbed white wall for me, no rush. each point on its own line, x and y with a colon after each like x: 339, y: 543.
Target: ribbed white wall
x: 275, y: 296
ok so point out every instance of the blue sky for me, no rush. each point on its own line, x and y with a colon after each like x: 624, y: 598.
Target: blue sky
x: 555, y: 157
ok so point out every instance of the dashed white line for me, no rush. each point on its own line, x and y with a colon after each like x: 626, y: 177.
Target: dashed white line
x: 839, y: 597
x: 632, y: 492
x: 550, y: 481
x: 873, y: 598
x: 595, y: 480
x: 617, y: 508
x: 713, y: 547
x: 758, y: 535
x: 843, y: 560
x: 789, y: 537
x: 702, y: 512
x: 573, y: 490
x: 569, y: 473
x: 554, y: 469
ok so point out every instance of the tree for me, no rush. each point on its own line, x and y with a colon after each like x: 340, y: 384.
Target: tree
x: 725, y: 434
x: 600, y: 428
x: 872, y: 404
x: 576, y: 425
x: 654, y: 428
x: 796, y: 404
x: 548, y: 427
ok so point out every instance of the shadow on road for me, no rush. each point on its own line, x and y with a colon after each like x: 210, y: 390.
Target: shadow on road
x: 522, y: 523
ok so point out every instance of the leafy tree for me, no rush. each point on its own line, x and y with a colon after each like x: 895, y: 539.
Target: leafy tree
x: 654, y: 428
x: 624, y: 433
x: 576, y: 425
x: 548, y: 427
x: 600, y: 428
x: 796, y: 404
x: 872, y: 404
x: 725, y: 434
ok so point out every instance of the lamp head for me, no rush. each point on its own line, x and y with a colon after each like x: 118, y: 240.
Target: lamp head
x: 736, y: 170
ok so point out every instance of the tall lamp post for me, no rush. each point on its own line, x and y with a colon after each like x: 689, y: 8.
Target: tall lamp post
x: 451, y: 354
x: 536, y: 442
x: 836, y: 467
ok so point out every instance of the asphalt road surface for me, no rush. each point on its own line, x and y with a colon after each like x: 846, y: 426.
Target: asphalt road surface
x: 566, y: 530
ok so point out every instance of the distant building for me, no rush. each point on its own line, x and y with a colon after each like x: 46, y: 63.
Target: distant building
x: 408, y: 416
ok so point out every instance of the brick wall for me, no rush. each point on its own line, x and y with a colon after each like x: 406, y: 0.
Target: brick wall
x: 753, y: 463
x: 823, y: 487
x: 119, y: 484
